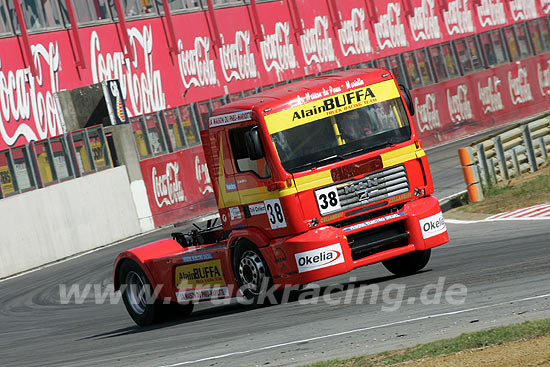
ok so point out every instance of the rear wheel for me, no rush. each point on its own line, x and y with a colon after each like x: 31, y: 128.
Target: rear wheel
x: 140, y: 301
x: 251, y: 271
x: 409, y: 263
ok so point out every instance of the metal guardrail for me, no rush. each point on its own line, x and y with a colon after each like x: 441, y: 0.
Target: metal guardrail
x: 509, y: 153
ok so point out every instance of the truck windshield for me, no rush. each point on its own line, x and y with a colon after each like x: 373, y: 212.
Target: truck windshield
x: 342, y: 135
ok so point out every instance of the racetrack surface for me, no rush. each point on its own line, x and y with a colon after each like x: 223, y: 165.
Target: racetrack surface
x: 503, y: 265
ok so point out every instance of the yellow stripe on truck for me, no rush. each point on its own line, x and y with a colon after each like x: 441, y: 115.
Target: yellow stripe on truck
x: 330, y: 106
x: 319, y: 179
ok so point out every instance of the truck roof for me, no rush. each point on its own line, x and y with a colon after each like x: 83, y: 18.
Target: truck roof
x: 287, y: 93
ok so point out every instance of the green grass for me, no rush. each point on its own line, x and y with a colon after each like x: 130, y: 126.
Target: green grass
x: 496, y: 336
x: 517, y: 193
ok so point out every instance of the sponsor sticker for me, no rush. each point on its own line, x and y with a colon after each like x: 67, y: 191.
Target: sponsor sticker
x: 256, y: 209
x: 197, y: 257
x: 202, y: 274
x: 235, y: 212
x: 230, y: 186
x: 319, y: 258
x: 200, y: 294
x: 373, y: 221
x: 230, y: 118
x: 432, y: 226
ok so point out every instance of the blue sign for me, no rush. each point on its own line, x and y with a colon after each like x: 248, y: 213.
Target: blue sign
x: 197, y: 257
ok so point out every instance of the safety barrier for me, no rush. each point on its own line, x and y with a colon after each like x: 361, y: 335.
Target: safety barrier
x: 53, y: 160
x: 509, y: 153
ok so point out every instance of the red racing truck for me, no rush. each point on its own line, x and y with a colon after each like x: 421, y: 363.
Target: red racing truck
x: 312, y: 179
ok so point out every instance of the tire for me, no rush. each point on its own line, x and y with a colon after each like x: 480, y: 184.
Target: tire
x: 409, y: 263
x: 251, y: 271
x: 138, y: 298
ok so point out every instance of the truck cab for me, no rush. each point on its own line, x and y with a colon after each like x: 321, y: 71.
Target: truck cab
x: 326, y: 167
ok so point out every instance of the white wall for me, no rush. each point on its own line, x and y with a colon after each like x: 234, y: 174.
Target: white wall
x: 64, y: 219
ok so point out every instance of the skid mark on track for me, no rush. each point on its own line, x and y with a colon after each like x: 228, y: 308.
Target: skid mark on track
x: 400, y: 322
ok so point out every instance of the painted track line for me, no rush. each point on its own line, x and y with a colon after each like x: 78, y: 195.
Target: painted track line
x: 523, y: 212
x: 400, y: 322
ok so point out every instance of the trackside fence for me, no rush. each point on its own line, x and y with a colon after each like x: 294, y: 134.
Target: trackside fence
x: 519, y: 149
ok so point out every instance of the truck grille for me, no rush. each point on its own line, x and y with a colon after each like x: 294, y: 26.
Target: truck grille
x: 366, y: 243
x: 373, y: 187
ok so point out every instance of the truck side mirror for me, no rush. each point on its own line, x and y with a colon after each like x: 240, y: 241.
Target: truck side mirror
x: 408, y: 98
x: 254, y: 144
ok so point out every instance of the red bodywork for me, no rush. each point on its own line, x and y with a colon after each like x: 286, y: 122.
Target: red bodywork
x: 301, y: 245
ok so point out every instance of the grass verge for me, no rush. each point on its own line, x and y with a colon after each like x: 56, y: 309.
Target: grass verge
x: 520, y: 192
x: 467, y: 341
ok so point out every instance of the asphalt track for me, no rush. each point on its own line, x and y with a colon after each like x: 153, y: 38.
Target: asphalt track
x: 504, y: 267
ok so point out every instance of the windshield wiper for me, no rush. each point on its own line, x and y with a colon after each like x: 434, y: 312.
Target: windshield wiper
x: 315, y: 163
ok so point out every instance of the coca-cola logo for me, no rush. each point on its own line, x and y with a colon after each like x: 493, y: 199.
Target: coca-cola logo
x: 520, y: 89
x: 459, y: 104
x: 491, y: 13
x: 167, y: 187
x: 196, y: 68
x: 458, y: 18
x: 523, y: 9
x: 277, y: 50
x: 353, y: 36
x: 24, y: 95
x: 390, y: 32
x: 427, y: 113
x: 424, y: 23
x: 316, y: 43
x: 490, y: 96
x: 142, y: 91
x: 203, y: 177
x: 543, y: 73
x: 237, y: 60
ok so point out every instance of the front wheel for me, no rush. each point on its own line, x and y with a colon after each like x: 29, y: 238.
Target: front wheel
x: 409, y: 263
x: 251, y: 271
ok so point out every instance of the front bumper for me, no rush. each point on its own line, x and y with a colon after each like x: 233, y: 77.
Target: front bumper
x: 329, y: 251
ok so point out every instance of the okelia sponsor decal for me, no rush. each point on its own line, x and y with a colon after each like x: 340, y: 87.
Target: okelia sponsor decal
x: 432, y: 226
x: 319, y: 258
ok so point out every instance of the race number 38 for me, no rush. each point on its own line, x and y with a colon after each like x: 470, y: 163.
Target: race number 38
x: 327, y: 199
x: 275, y: 213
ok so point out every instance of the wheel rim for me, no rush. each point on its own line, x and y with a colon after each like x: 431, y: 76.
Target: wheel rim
x: 136, y: 292
x: 252, y: 272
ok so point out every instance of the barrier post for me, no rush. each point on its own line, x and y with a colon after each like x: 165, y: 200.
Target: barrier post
x: 471, y: 174
x: 482, y: 160
x: 501, y: 158
x: 528, y: 142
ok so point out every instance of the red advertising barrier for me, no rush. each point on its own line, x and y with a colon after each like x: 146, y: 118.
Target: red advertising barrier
x: 493, y: 97
x: 178, y: 186
x: 299, y: 38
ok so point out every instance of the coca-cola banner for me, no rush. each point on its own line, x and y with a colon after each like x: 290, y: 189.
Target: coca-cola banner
x: 178, y: 186
x: 287, y: 40
x: 479, y: 101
